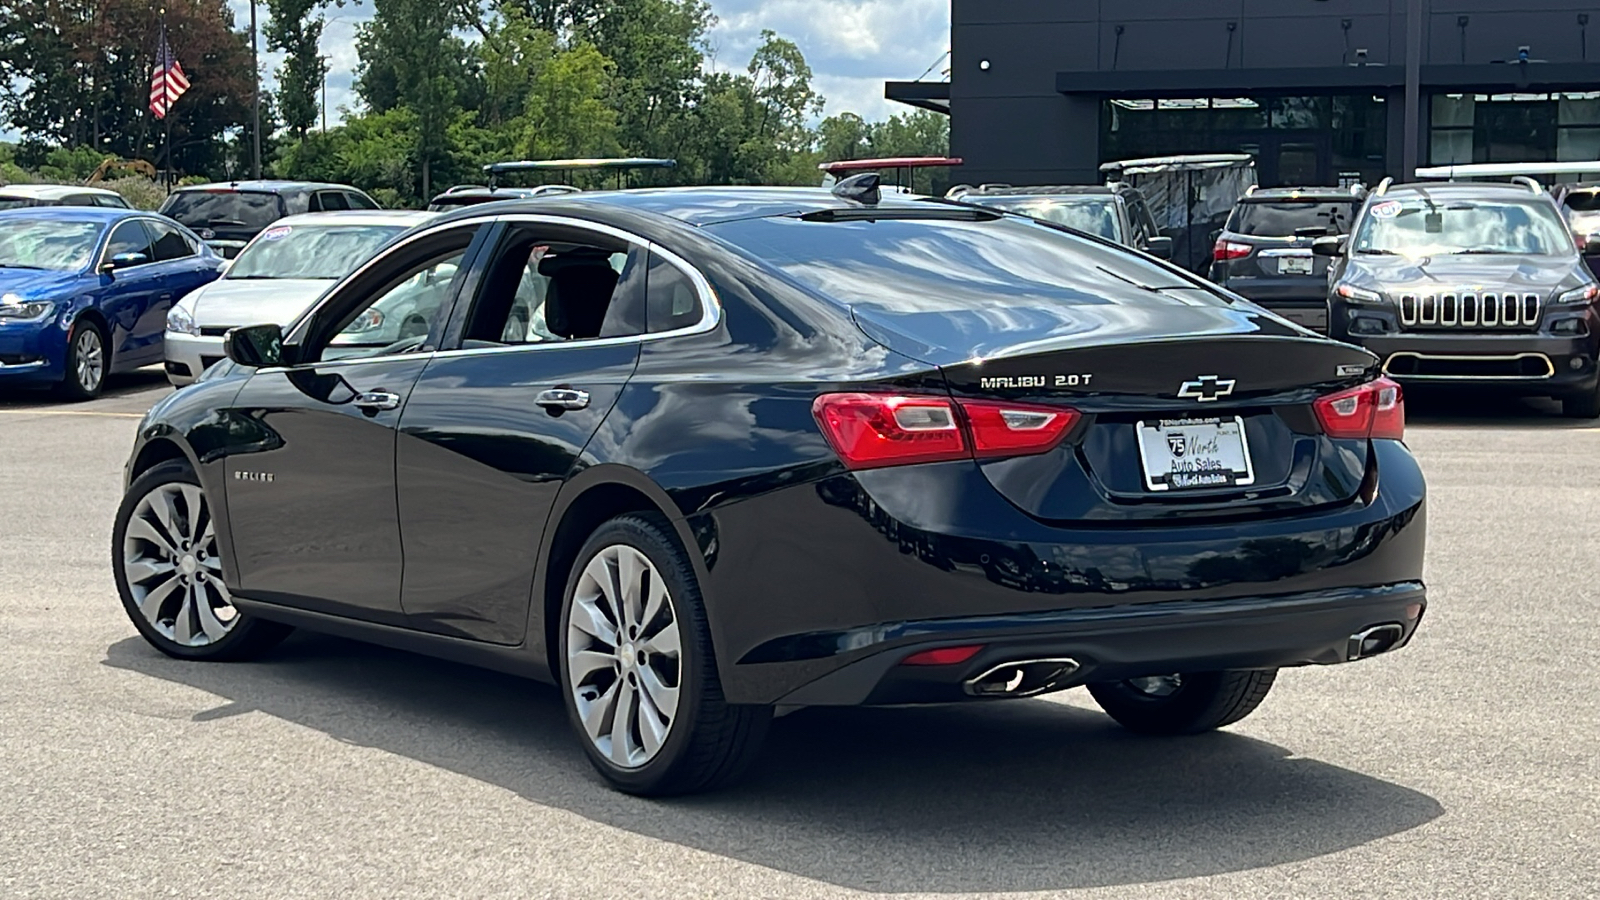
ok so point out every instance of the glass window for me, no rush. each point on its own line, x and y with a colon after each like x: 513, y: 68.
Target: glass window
x: 65, y: 246
x: 360, y: 201
x: 223, y: 209
x: 170, y: 242
x: 404, y: 312
x: 328, y: 201
x: 552, y: 286
x: 310, y: 251
x: 111, y: 201
x: 671, y: 297
x: 1413, y: 227
x: 993, y: 271
x: 1274, y: 218
x: 1095, y: 215
x: 129, y: 237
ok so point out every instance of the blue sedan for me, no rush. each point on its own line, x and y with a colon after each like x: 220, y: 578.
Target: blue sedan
x: 84, y: 292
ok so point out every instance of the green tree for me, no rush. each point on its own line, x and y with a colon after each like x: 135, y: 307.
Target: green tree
x: 295, y: 28
x: 411, y: 60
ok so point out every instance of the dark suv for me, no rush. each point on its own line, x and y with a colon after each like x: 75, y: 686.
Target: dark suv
x: 1116, y: 212
x: 1263, y: 253
x: 227, y: 216
x: 1476, y: 284
x: 1581, y: 204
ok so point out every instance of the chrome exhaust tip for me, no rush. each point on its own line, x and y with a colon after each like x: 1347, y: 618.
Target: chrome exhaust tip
x: 1373, y: 641
x: 1021, y: 677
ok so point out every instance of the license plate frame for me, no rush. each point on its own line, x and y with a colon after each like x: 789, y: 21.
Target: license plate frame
x: 1213, y: 438
x: 1296, y: 265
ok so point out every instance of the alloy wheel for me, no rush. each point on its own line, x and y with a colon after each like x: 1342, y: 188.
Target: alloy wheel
x: 624, y: 656
x: 169, y: 558
x: 89, y: 357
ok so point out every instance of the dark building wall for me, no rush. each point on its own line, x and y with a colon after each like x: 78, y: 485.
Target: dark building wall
x: 1013, y: 122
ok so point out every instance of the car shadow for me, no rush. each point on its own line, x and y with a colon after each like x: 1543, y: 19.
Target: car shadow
x: 117, y: 387
x: 1014, y: 796
x: 1439, y: 406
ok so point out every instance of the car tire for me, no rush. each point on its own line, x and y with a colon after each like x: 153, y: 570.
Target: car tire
x: 631, y: 601
x: 1187, y: 703
x: 87, y: 362
x: 1582, y: 406
x: 168, y: 570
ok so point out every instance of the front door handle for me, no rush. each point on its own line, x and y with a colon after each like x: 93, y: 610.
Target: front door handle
x: 562, y: 398
x: 377, y: 400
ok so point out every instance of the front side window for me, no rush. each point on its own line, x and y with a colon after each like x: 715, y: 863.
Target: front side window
x: 310, y: 251
x: 129, y: 237
x: 360, y: 201
x: 1285, y: 218
x: 402, y: 314
x: 559, y: 285
x: 27, y: 243
x: 1418, y: 226
x: 1094, y: 215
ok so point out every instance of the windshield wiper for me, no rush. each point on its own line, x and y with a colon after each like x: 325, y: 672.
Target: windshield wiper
x: 1374, y: 251
x: 19, y: 266
x: 1479, y: 251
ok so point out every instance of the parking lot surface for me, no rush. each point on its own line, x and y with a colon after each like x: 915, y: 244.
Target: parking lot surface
x: 1463, y: 766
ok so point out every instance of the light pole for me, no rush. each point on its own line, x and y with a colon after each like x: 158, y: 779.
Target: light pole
x: 255, y: 115
x: 1413, y: 121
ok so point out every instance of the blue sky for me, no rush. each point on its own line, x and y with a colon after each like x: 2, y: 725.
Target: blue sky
x: 853, y: 46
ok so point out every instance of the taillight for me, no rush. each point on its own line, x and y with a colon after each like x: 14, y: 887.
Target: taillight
x: 1226, y: 250
x: 874, y: 430
x: 1376, y: 409
x: 1015, y: 429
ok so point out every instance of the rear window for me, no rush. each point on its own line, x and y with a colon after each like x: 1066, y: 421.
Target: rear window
x: 1095, y: 215
x: 1262, y: 218
x: 17, y: 202
x: 1582, y: 201
x: 224, y: 209
x: 984, y: 269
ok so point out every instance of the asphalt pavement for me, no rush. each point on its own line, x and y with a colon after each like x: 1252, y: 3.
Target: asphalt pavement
x: 1466, y: 765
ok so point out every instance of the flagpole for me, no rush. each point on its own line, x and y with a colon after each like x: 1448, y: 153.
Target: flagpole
x: 166, y: 119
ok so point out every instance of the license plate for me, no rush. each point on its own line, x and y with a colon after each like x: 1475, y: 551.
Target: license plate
x: 1183, y: 454
x: 1294, y: 265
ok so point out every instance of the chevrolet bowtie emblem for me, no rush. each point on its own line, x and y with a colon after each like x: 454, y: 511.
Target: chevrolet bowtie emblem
x: 1206, y: 388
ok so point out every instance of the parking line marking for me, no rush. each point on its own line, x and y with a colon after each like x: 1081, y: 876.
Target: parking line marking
x: 69, y: 412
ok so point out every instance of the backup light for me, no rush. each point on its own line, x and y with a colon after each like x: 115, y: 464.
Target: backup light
x: 875, y: 430
x: 1374, y: 410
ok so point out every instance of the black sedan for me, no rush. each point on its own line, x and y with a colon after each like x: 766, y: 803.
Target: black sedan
x: 700, y: 455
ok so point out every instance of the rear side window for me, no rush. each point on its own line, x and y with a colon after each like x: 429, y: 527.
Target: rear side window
x: 671, y: 298
x: 328, y: 201
x: 223, y: 209
x: 113, y: 202
x: 169, y: 242
x: 1272, y: 218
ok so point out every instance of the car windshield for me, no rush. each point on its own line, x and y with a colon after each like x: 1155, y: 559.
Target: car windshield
x: 1283, y: 218
x: 310, y: 251
x: 1095, y: 215
x: 1417, y: 226
x: 224, y: 209
x: 62, y: 245
x: 18, y: 202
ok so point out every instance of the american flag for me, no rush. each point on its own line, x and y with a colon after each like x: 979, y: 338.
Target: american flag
x: 167, y: 82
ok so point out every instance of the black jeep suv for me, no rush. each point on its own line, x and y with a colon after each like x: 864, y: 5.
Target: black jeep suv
x: 227, y: 216
x: 1471, y: 284
x: 1263, y: 253
x: 1116, y: 212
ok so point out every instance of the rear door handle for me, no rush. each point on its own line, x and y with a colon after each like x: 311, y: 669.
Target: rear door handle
x: 377, y: 400
x: 563, y: 398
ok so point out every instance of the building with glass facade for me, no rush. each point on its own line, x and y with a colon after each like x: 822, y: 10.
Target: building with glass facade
x: 1047, y: 90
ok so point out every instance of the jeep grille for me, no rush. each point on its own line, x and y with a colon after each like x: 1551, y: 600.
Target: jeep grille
x: 1487, y: 311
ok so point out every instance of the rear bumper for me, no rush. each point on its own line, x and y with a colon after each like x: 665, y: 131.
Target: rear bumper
x: 1113, y: 643
x: 853, y: 573
x: 1295, y: 289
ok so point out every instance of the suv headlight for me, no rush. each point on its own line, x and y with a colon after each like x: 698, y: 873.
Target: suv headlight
x: 1357, y: 295
x: 1585, y: 294
x: 181, y: 321
x: 13, y: 306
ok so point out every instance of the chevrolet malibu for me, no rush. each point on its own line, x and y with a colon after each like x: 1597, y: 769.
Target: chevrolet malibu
x: 276, y: 277
x: 798, y: 448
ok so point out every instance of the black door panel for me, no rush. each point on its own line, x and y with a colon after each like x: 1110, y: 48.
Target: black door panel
x: 479, y: 464
x: 313, y: 510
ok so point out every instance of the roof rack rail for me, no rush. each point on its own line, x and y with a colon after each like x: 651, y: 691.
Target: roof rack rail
x: 1383, y: 187
x: 1528, y: 182
x: 1250, y: 190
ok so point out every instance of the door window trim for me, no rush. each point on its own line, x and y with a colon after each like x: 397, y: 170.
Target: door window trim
x: 106, y: 248
x: 710, y: 306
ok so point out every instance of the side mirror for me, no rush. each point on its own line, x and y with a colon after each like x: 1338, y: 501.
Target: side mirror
x: 255, y: 346
x: 123, y: 261
x: 1591, y: 245
x: 1160, y: 247
x: 1328, y: 245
